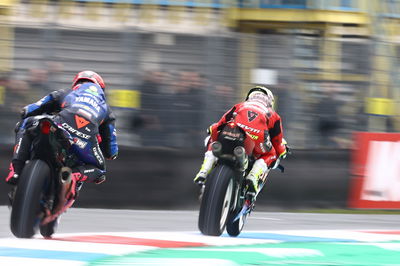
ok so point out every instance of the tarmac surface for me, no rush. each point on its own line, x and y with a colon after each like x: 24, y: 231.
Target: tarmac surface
x: 80, y: 220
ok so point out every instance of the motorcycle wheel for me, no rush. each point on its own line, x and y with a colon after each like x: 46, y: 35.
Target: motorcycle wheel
x: 26, y: 211
x: 217, y: 201
x: 49, y: 229
x: 235, y: 227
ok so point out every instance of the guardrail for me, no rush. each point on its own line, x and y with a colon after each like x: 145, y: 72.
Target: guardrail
x: 162, y: 179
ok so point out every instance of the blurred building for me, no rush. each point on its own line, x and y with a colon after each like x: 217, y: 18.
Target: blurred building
x: 205, y: 55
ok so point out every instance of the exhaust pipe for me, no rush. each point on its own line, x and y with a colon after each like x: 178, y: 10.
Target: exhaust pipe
x: 216, y: 148
x: 65, y: 175
x: 66, y: 185
x: 241, y: 157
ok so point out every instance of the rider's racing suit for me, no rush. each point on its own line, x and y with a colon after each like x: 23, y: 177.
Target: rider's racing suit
x: 263, y: 127
x: 264, y: 139
x: 84, y: 113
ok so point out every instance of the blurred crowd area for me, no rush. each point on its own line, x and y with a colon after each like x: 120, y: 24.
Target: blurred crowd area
x: 185, y: 79
x: 176, y: 107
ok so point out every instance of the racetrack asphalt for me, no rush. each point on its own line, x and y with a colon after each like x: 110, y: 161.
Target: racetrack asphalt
x: 80, y: 220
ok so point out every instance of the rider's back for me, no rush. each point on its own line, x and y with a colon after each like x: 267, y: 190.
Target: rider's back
x: 88, y: 103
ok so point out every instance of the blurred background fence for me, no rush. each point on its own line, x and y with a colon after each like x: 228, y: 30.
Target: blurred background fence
x: 173, y: 67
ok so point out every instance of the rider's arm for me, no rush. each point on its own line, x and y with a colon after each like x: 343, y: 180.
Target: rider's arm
x: 108, y: 134
x: 213, y: 129
x: 48, y: 104
x: 276, y: 135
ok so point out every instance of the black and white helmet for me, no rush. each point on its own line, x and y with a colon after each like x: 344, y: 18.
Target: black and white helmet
x: 261, y: 94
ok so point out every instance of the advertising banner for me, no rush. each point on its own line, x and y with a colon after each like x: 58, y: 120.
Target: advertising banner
x: 375, y: 171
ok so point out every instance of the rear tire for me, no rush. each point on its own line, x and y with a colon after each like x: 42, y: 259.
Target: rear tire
x: 26, y: 211
x: 216, y: 201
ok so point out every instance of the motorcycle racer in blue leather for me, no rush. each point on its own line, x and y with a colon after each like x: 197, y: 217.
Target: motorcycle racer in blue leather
x: 83, y: 112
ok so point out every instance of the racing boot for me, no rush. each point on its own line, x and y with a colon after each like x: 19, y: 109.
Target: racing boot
x: 205, y: 169
x: 15, y: 169
x: 20, y: 156
x: 85, y: 173
x: 259, y: 170
x: 12, y: 178
x: 89, y: 173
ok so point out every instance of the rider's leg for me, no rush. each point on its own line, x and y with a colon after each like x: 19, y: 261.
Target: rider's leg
x: 94, y: 171
x: 89, y: 173
x: 23, y: 142
x: 208, y: 163
x: 260, y: 169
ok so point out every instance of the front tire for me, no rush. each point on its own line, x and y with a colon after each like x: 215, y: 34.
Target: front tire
x: 217, y: 201
x: 26, y: 211
x: 235, y: 227
x: 49, y: 229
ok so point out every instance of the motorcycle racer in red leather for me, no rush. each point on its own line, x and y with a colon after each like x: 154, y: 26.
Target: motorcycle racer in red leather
x: 263, y: 127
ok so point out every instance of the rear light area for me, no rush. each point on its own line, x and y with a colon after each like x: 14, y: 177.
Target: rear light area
x: 45, y: 127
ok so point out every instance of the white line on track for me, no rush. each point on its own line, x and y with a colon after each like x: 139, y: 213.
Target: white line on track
x: 265, y: 218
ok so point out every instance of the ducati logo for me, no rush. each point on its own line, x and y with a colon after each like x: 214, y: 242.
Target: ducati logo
x: 251, y: 115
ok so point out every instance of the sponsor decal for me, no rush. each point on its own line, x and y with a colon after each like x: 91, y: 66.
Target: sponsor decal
x: 87, y: 108
x: 80, y: 121
x: 92, y: 90
x: 88, y: 171
x: 90, y: 101
x: 97, y: 155
x: 84, y: 113
x: 375, y: 171
x: 80, y: 143
x: 231, y: 135
x: 254, y: 137
x: 262, y: 147
x: 382, y: 173
x: 251, y: 115
x: 267, y: 142
x: 74, y: 131
x: 16, y: 148
x: 247, y: 128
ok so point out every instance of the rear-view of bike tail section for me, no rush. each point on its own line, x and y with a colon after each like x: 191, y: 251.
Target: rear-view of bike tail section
x: 225, y: 188
x: 40, y: 196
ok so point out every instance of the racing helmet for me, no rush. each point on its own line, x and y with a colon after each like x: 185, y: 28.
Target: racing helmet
x: 88, y: 75
x: 261, y: 94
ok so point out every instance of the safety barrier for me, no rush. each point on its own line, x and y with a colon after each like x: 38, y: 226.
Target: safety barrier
x: 375, y: 171
x: 162, y: 179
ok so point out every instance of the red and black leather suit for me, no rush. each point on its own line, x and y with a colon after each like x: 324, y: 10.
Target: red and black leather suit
x: 263, y: 127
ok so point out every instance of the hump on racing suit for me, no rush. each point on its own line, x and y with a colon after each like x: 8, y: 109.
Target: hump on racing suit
x: 86, y: 111
x: 262, y: 124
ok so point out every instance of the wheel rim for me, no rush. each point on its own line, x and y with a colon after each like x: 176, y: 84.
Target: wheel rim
x: 242, y: 221
x: 226, y: 204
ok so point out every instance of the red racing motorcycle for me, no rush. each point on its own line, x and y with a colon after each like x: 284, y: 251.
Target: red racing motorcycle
x: 226, y: 201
